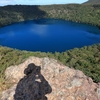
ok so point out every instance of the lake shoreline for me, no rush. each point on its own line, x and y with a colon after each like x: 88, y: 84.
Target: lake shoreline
x: 47, y: 18
x: 41, y: 31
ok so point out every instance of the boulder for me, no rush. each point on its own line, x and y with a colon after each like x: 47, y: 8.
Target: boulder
x: 62, y: 82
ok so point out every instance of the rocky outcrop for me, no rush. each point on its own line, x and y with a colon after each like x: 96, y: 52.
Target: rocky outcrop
x: 65, y: 83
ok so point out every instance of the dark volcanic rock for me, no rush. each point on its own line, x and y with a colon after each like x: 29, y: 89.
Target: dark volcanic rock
x: 33, y: 86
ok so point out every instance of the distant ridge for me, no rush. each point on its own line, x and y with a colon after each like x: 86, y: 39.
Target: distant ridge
x: 92, y: 2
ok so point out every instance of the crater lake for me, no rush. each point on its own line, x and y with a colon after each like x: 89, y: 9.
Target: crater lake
x: 48, y: 35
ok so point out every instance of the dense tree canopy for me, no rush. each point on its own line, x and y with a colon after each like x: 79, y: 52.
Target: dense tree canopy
x: 74, y: 12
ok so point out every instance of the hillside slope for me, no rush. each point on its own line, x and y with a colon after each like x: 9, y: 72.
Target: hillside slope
x: 92, y: 2
x: 86, y: 59
x: 89, y: 14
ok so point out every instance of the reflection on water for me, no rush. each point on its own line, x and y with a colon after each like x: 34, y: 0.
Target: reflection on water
x: 40, y: 30
x: 48, y: 35
x: 94, y: 36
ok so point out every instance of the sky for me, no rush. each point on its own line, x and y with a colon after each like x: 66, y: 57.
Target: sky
x: 38, y: 2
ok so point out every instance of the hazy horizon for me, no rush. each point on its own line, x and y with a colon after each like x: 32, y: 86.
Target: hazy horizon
x: 38, y: 2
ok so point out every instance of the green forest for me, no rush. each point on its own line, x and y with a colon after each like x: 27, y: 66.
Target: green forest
x: 89, y: 14
x: 86, y: 59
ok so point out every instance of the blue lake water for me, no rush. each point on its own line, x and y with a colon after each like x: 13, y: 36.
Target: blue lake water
x: 48, y: 35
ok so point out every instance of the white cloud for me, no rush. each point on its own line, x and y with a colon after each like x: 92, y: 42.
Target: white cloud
x: 7, y: 2
x: 40, y: 30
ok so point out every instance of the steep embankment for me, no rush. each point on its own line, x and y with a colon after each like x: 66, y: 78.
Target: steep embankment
x: 61, y: 82
x: 74, y: 12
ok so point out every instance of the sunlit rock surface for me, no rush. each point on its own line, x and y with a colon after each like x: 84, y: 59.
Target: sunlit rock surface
x: 65, y: 83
